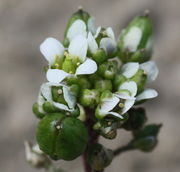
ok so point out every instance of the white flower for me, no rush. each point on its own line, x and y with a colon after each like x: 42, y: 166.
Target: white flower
x: 77, y: 49
x: 106, y: 107
x: 150, y: 69
x: 128, y: 92
x: 46, y: 94
x: 52, y: 49
x: 108, y: 44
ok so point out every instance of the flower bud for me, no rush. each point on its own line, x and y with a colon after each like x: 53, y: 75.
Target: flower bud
x: 36, y: 111
x: 99, y: 157
x: 49, y: 108
x: 35, y: 156
x: 135, y: 41
x: 108, y: 70
x: 99, y: 56
x: 79, y: 15
x: 89, y: 97
x: 103, y: 85
x: 61, y: 137
x: 118, y: 80
x: 136, y: 120
x: 140, y: 79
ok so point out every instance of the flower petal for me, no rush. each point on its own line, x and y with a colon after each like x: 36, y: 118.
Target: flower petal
x: 56, y: 75
x: 130, y: 86
x: 91, y: 25
x: 109, y: 104
x: 92, y: 44
x: 116, y: 114
x: 69, y: 98
x: 109, y: 45
x: 130, y: 69
x: 110, y: 33
x: 132, y: 39
x: 77, y: 28
x: 124, y: 95
x: 40, y: 102
x: 46, y: 91
x: 78, y: 47
x: 98, y: 30
x: 51, y: 48
x: 127, y: 105
x: 62, y: 106
x: 150, y: 69
x: 88, y: 67
x: 147, y: 94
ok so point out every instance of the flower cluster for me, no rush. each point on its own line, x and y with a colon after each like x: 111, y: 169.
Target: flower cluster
x: 92, y: 71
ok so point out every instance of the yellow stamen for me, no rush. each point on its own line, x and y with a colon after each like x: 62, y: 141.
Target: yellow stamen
x: 121, y: 105
x: 59, y: 91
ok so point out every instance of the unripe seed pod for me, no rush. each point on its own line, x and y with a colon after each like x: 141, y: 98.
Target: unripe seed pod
x: 61, y: 137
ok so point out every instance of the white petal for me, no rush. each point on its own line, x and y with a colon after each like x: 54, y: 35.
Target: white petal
x: 124, y: 95
x: 132, y: 39
x: 77, y: 28
x: 62, y: 107
x: 110, y: 33
x: 88, y: 67
x: 127, y: 105
x: 109, y: 104
x: 116, y: 114
x: 69, y: 98
x: 56, y: 75
x: 150, y: 69
x: 40, y: 102
x: 51, y: 48
x: 91, y: 25
x: 108, y: 44
x: 78, y: 47
x: 130, y: 86
x: 147, y: 94
x: 130, y: 69
x: 97, y: 32
x: 46, y: 91
x: 92, y: 44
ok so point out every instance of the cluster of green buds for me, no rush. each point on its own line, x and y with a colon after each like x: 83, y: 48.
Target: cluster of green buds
x: 93, y: 84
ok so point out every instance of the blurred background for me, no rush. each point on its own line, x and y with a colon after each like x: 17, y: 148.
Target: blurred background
x: 24, y: 24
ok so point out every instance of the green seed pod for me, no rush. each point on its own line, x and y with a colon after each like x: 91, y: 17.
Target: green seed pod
x: 140, y: 78
x: 61, y: 137
x: 68, y: 66
x: 36, y: 111
x: 108, y: 70
x: 99, y: 157
x: 136, y: 119
x: 145, y: 144
x: 135, y: 41
x: 103, y: 85
x: 89, y: 97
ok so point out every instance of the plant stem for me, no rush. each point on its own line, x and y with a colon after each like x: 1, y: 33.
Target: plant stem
x: 122, y: 149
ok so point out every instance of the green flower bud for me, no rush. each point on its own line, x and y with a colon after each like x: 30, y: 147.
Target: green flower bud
x: 49, y: 108
x: 108, y: 70
x: 118, y: 80
x: 61, y: 137
x: 89, y: 97
x: 136, y: 120
x: 80, y: 14
x: 140, y: 78
x: 36, y: 111
x: 84, y: 83
x: 100, y: 56
x: 105, y: 94
x: 103, y: 85
x: 135, y: 41
x: 99, y: 157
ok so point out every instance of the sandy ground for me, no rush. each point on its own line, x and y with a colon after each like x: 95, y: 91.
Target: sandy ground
x: 25, y: 24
